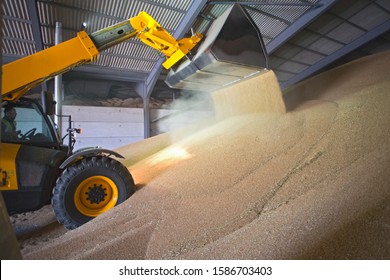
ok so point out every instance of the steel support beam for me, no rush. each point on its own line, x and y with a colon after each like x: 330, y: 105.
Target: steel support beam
x: 32, y: 9
x: 35, y: 24
x: 272, y: 3
x: 58, y: 94
x: 362, y: 40
x: 299, y: 24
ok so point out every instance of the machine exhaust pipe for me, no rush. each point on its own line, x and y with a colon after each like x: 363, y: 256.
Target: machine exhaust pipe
x: 233, y: 49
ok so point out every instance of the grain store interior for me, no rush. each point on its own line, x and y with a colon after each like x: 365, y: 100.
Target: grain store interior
x: 180, y: 129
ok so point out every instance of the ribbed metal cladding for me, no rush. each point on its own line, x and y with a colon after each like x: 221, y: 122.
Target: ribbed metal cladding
x: 287, y: 10
x: 100, y: 14
x: 18, y: 48
x: 126, y: 63
x: 17, y: 32
x: 271, y: 19
x: 283, y: 13
x: 17, y: 29
x: 115, y: 57
x: 270, y: 27
x: 168, y: 15
x: 16, y: 9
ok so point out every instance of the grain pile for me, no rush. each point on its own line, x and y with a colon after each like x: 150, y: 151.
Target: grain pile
x: 311, y: 183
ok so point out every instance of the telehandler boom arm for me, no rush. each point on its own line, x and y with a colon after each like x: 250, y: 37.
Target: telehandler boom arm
x: 23, y: 74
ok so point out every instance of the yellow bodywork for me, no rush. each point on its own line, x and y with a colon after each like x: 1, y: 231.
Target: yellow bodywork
x: 7, y: 166
x: 153, y: 35
x: 23, y: 74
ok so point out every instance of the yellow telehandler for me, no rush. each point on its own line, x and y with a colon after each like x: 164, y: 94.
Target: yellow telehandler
x: 35, y: 166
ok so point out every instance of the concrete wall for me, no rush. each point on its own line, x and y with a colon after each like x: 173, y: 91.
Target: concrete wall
x: 114, y: 127
x: 108, y: 127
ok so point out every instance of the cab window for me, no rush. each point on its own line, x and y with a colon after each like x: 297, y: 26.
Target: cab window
x: 24, y: 125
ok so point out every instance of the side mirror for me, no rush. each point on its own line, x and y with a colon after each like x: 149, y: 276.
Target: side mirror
x: 48, y: 103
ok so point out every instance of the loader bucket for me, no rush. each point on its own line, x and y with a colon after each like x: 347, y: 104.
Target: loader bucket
x: 232, y: 50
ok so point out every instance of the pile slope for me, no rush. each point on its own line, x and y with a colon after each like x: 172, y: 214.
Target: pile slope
x: 312, y: 183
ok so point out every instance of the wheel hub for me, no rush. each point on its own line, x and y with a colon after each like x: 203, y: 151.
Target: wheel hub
x: 96, y: 194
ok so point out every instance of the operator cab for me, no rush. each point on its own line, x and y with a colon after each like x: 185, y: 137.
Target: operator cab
x: 31, y: 125
x: 30, y: 158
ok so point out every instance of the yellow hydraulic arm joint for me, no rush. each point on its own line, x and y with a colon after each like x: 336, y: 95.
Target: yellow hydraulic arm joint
x: 153, y: 35
x: 25, y: 73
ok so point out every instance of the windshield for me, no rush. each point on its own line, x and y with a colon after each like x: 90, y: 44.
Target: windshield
x: 24, y: 125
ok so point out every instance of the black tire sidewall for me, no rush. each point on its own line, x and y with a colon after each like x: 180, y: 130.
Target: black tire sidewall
x: 63, y: 203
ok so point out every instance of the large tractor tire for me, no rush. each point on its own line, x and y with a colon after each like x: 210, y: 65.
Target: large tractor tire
x: 89, y: 188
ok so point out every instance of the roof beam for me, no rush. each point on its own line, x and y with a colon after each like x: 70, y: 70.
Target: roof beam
x: 162, y: 5
x: 32, y: 9
x: 268, y: 15
x: 35, y: 23
x: 254, y: 3
x: 362, y: 40
x: 75, y: 9
x: 299, y: 24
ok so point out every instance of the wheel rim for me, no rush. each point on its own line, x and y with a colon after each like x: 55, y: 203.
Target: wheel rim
x: 95, y: 195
